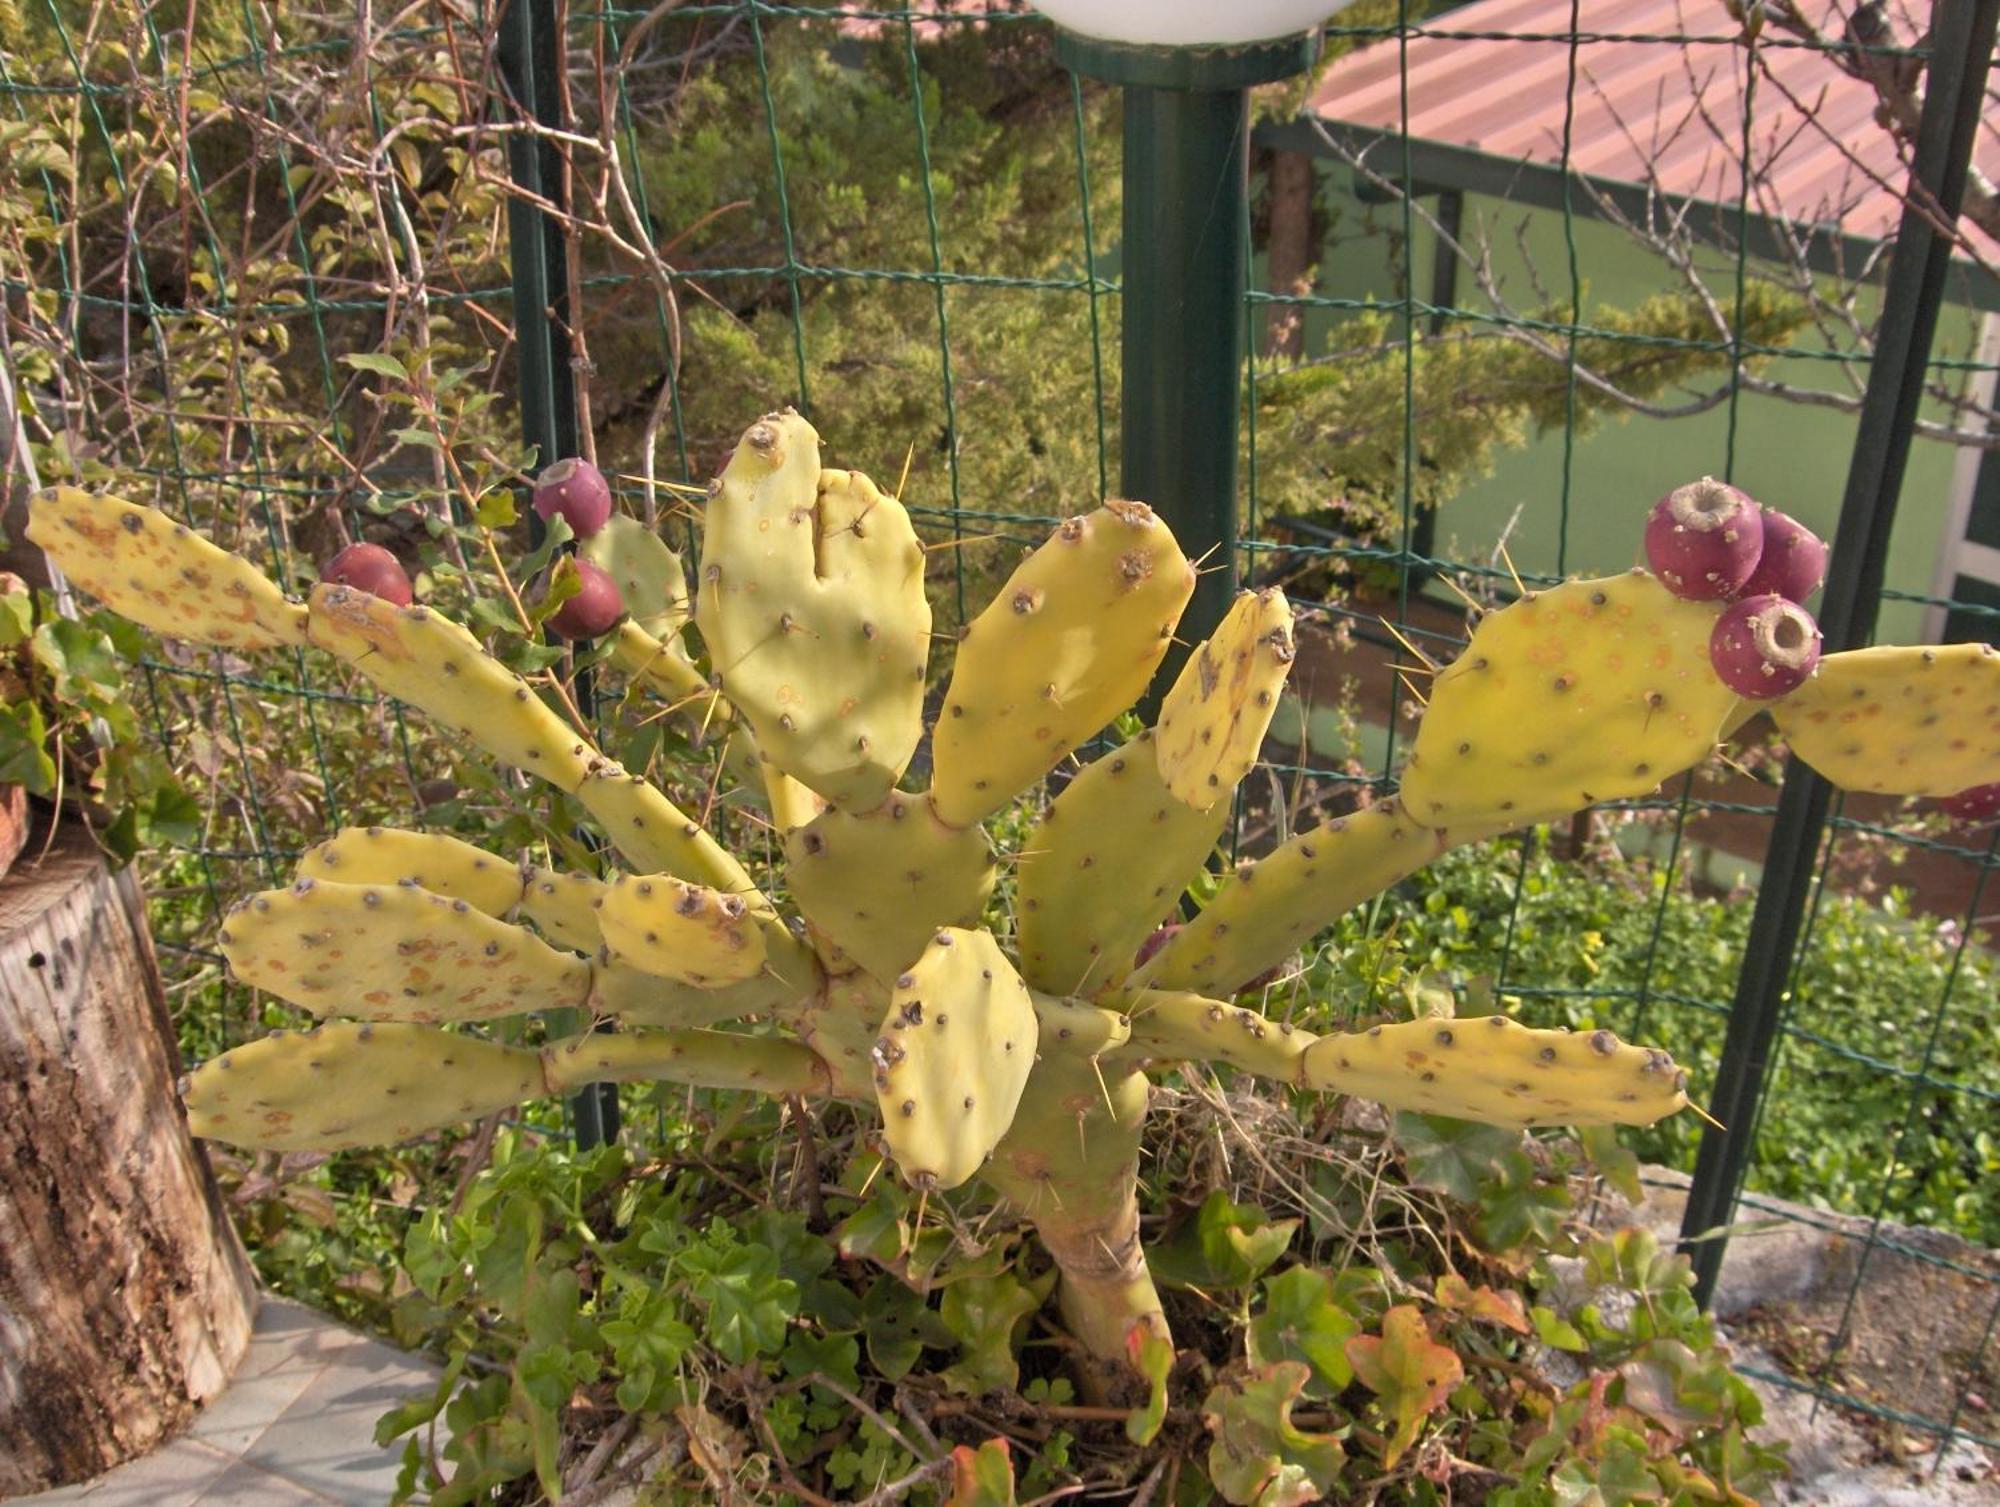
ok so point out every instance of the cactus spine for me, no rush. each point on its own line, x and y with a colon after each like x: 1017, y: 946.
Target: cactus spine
x: 894, y: 984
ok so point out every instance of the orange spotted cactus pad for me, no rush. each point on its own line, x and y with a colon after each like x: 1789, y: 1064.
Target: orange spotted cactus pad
x: 1070, y: 642
x: 161, y: 574
x: 813, y: 609
x: 1491, y: 1069
x: 1590, y: 691
x: 874, y: 887
x: 1213, y: 721
x: 395, y: 952
x: 675, y: 930
x: 346, y: 1085
x: 1899, y: 721
x: 952, y: 1057
x: 432, y: 861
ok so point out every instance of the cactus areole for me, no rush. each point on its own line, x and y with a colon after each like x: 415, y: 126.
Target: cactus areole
x: 1024, y: 1064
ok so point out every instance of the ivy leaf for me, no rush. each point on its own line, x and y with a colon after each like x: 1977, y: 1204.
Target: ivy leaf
x: 1502, y: 1308
x: 381, y: 363
x: 982, y: 1477
x: 1226, y: 1245
x: 24, y: 755
x: 1615, y: 1162
x: 1454, y: 1157
x: 896, y: 1325
x: 1302, y: 1321
x: 85, y: 666
x: 1519, y: 1208
x: 1409, y: 1372
x: 982, y: 1314
x: 749, y: 1305
x: 836, y: 1356
x: 1152, y: 1356
x: 17, y: 618
x: 495, y: 508
x: 1553, y: 1330
x: 171, y: 816
x: 1260, y: 1458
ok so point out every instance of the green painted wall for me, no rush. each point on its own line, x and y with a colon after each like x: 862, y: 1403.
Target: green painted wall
x: 1789, y: 455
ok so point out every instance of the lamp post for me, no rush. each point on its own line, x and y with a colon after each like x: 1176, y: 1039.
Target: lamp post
x: 1186, y: 68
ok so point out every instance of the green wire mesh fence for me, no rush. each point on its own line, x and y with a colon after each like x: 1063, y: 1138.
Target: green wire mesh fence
x: 268, y: 272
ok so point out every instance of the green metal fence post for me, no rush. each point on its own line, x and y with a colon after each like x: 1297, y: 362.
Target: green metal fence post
x: 529, y: 55
x: 1961, y: 52
x: 1184, y: 250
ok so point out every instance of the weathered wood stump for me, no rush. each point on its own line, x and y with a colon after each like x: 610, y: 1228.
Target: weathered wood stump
x: 125, y: 1298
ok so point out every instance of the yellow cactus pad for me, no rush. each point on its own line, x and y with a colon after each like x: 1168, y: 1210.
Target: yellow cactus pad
x: 638, y: 998
x: 1491, y: 1069
x: 430, y: 861
x: 664, y: 668
x: 812, y: 605
x: 1070, y: 1025
x: 1899, y: 721
x: 563, y: 908
x: 875, y: 887
x: 841, y: 1025
x: 427, y: 660
x: 656, y: 837
x: 1592, y: 691
x: 1069, y: 643
x: 1212, y: 723
x: 704, y: 1059
x: 161, y: 574
x: 1105, y: 865
x: 652, y: 582
x: 682, y: 931
x: 346, y: 1085
x: 392, y: 952
x: 952, y: 1058
x: 1265, y: 911
x: 1175, y: 1027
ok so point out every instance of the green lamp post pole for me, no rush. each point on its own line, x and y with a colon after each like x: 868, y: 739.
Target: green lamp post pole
x: 1185, y: 256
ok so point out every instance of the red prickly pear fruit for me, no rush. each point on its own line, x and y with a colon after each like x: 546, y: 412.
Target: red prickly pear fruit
x: 594, y: 610
x: 1793, y: 563
x: 1703, y: 540
x: 1978, y: 805
x: 1153, y: 944
x: 371, y: 568
x: 577, y: 490
x: 1764, y: 646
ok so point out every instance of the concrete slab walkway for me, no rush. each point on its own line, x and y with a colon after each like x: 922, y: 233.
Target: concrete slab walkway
x: 294, y: 1428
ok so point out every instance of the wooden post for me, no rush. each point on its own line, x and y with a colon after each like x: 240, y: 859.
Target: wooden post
x: 125, y: 1298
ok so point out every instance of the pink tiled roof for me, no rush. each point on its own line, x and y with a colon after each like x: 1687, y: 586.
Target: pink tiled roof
x: 1664, y: 111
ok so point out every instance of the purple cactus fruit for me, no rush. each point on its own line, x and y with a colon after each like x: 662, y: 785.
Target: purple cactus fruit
x: 371, y: 568
x: 577, y: 490
x: 1977, y: 806
x: 1793, y: 563
x: 1153, y: 944
x: 1764, y: 646
x: 594, y: 610
x: 1703, y: 540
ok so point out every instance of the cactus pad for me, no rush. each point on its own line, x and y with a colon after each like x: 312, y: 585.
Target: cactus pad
x: 1070, y: 642
x: 681, y: 931
x: 1491, y: 1069
x: 347, y: 1085
x: 663, y: 666
x: 395, y: 952
x: 431, y: 861
x: 841, y: 1024
x: 161, y: 574
x: 952, y: 1058
x: 812, y: 605
x: 1265, y: 911
x: 651, y: 581
x: 1899, y: 721
x: 875, y: 887
x: 657, y: 837
x: 705, y: 1059
x: 1108, y: 859
x: 1591, y: 691
x: 1172, y: 1027
x: 1213, y: 721
x: 638, y: 998
x: 433, y: 664
x: 563, y: 908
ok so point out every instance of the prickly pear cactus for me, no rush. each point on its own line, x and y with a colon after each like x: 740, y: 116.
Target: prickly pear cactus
x: 1009, y: 1040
